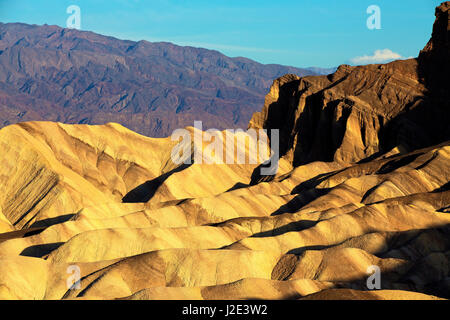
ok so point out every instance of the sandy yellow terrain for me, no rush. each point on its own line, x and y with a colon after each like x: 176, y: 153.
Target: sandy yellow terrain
x: 281, y: 239
x: 364, y: 192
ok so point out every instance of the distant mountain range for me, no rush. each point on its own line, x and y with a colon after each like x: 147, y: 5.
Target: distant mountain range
x: 72, y: 76
x: 360, y: 200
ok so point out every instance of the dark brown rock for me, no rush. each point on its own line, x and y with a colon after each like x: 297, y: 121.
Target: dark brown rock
x: 365, y: 111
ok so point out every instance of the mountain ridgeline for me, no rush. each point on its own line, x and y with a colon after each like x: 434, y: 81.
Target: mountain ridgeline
x: 362, y: 186
x: 55, y: 74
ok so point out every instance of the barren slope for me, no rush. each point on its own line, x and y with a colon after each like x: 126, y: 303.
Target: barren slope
x: 57, y: 74
x: 138, y: 226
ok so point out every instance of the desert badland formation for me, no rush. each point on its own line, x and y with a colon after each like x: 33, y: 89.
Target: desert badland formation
x: 363, y: 181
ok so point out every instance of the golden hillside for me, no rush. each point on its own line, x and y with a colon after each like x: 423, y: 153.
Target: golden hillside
x: 110, y: 203
x: 315, y: 227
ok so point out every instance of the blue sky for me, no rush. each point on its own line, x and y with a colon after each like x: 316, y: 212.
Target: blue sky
x: 300, y: 33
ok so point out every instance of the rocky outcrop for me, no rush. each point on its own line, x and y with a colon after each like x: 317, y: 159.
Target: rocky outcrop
x: 365, y: 111
x: 110, y: 202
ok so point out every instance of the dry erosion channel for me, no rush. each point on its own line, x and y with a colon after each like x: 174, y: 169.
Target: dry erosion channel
x: 362, y: 181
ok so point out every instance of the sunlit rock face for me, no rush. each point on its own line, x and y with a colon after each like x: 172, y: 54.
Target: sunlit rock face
x: 362, y: 184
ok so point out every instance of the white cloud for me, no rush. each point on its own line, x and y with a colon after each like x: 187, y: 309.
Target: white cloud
x: 379, y: 56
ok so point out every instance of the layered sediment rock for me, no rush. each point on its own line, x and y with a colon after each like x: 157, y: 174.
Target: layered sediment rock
x: 363, y: 182
x: 364, y: 111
